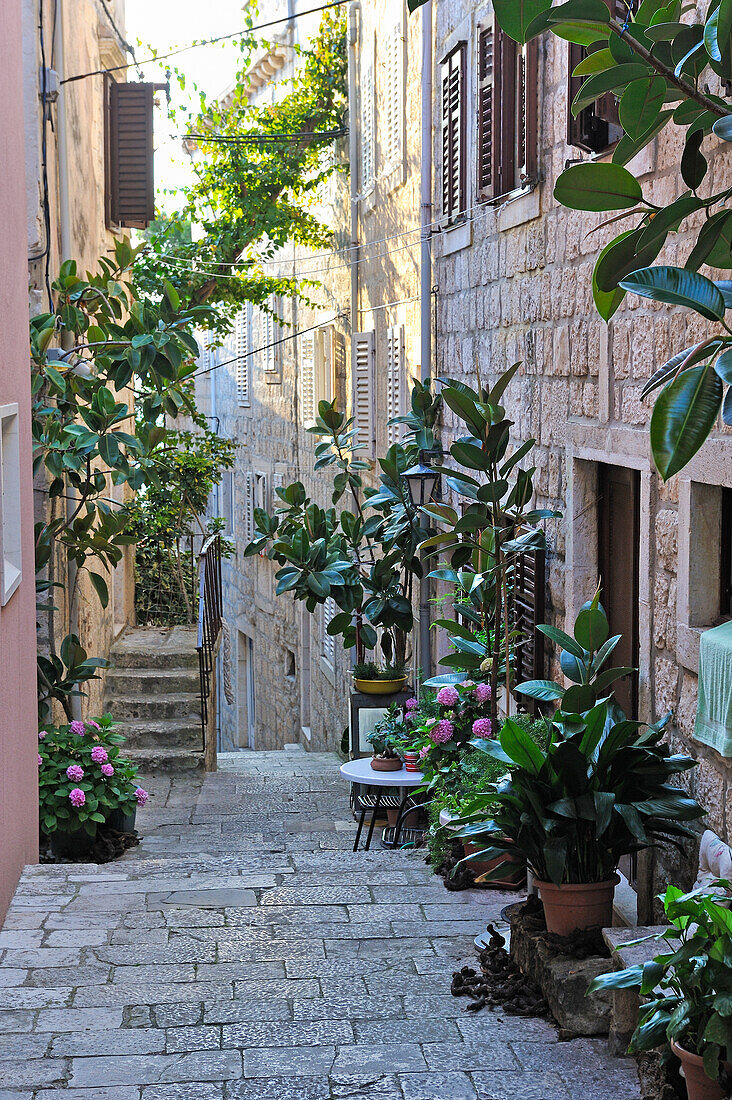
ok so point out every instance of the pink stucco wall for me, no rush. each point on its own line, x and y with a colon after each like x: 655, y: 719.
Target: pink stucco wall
x: 18, y: 728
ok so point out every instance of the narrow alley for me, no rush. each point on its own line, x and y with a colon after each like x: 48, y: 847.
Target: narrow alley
x: 244, y: 952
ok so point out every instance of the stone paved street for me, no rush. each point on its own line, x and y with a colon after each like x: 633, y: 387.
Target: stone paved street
x: 243, y: 952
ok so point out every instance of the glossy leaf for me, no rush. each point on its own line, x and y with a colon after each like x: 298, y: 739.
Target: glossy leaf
x: 514, y: 16
x: 694, y: 354
x: 598, y: 186
x: 679, y: 287
x: 641, y: 104
x: 683, y: 416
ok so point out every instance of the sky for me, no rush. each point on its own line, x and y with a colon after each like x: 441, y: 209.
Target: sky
x: 165, y: 24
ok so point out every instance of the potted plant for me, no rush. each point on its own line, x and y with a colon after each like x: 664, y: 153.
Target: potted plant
x: 82, y: 782
x: 601, y: 789
x: 687, y: 991
x: 387, y: 741
x: 372, y: 680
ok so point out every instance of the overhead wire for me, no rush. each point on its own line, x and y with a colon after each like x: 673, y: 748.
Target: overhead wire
x: 265, y: 347
x: 204, y: 42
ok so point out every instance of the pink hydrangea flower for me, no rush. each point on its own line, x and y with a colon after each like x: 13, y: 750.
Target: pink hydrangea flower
x: 99, y: 755
x: 141, y: 796
x: 78, y: 728
x: 448, y: 696
x: 411, y: 704
x: 40, y: 760
x: 482, y: 727
x: 468, y: 684
x: 94, y: 724
x: 42, y: 734
x: 75, y: 772
x: 107, y: 770
x: 423, y: 751
x: 77, y: 798
x: 483, y: 693
x: 442, y: 731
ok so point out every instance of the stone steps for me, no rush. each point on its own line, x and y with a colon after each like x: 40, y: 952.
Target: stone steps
x: 152, y: 691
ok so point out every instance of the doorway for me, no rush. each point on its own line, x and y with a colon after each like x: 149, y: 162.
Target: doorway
x: 618, y: 556
x: 246, y: 699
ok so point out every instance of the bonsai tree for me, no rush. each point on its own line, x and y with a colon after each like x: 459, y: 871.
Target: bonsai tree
x: 364, y: 558
x: 483, y: 542
x: 686, y: 989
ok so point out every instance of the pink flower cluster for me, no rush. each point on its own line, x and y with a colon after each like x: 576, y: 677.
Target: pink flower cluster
x: 442, y: 731
x: 107, y: 770
x: 141, y: 796
x: 483, y: 693
x: 40, y: 760
x: 94, y: 725
x: 99, y: 755
x: 411, y: 704
x: 448, y: 696
x: 42, y: 734
x: 77, y: 798
x: 75, y: 772
x: 78, y: 728
x: 482, y: 727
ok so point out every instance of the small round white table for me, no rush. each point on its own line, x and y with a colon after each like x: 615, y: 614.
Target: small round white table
x: 360, y: 771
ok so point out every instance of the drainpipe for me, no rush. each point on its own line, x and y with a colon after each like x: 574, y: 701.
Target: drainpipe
x: 353, y: 136
x: 64, y: 218
x: 425, y: 290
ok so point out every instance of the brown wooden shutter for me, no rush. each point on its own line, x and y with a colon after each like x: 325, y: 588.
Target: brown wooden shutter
x: 130, y: 189
x: 529, y: 110
x: 504, y: 114
x: 485, y: 110
x: 598, y: 125
x: 528, y: 613
x: 453, y: 134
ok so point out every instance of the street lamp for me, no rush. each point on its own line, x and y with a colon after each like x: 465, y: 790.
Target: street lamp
x: 422, y: 480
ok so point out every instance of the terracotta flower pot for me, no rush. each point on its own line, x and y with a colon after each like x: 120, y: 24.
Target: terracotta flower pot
x: 573, y: 907
x: 698, y: 1085
x: 380, y: 687
x: 514, y: 868
x: 386, y: 763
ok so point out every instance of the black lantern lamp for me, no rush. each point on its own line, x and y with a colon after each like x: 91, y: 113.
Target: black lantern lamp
x: 422, y: 480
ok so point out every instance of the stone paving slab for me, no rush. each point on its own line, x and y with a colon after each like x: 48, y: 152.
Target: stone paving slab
x: 243, y: 952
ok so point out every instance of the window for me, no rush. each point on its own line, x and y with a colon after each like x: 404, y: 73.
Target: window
x: 243, y: 352
x: 317, y: 368
x: 330, y: 610
x: 11, y: 563
x: 396, y: 382
x: 307, y: 377
x: 507, y: 112
x: 248, y: 509
x: 226, y: 504
x: 367, y: 122
x: 261, y: 491
x: 269, y: 335
x: 363, y: 391
x: 393, y: 110
x: 130, y: 192
x: 598, y: 125
x: 290, y: 665
x: 453, y: 136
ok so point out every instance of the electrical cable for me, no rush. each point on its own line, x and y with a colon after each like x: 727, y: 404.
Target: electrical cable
x: 120, y: 37
x: 205, y: 42
x: 265, y: 347
x: 45, y: 252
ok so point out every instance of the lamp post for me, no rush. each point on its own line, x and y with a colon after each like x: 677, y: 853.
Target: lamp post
x: 422, y: 482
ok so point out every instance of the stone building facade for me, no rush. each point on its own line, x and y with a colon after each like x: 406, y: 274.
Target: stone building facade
x: 513, y: 283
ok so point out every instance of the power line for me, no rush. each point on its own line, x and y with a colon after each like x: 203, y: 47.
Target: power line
x: 204, y: 42
x: 265, y: 347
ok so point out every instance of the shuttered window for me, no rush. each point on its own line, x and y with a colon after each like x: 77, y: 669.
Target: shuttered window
x: 248, y: 507
x: 130, y: 191
x: 597, y: 126
x: 396, y: 383
x: 453, y: 135
x: 507, y: 112
x: 325, y: 365
x: 393, y: 107
x: 227, y: 502
x: 307, y: 377
x: 363, y: 391
x: 330, y: 610
x: 368, y: 128
x: 528, y: 612
x: 243, y: 341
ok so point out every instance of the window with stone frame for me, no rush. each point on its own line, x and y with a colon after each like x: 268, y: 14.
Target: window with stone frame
x: 597, y: 127
x: 454, y: 144
x: 507, y: 112
x: 368, y: 119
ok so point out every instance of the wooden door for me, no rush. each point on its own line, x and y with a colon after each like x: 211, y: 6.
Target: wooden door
x: 618, y: 553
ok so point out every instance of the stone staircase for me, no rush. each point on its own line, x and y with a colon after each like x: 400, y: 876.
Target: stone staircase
x: 152, y: 691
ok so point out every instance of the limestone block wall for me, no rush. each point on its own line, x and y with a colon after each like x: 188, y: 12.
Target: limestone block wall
x: 519, y: 288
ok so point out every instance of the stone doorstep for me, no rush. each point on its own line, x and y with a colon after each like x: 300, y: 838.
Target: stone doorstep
x: 626, y: 1002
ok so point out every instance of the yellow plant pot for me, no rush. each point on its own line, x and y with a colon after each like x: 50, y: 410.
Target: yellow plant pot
x: 380, y: 687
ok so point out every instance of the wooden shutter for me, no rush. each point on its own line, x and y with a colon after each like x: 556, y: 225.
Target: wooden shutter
x: 227, y: 501
x: 393, y: 99
x: 268, y: 342
x: 453, y: 135
x: 130, y: 197
x: 330, y: 610
x: 505, y: 62
x: 367, y: 124
x: 242, y: 332
x: 339, y: 368
x: 395, y: 381
x: 363, y: 390
x: 307, y: 376
x: 618, y: 556
x: 528, y: 113
x: 528, y: 613
x: 486, y: 37
x: 248, y: 509
x: 598, y: 125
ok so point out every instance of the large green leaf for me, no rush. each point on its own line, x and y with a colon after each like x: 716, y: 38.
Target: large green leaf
x: 683, y: 417
x: 678, y: 287
x: 597, y: 187
x: 517, y: 744
x: 695, y: 354
x: 641, y: 104
x: 566, y: 641
x: 608, y: 301
x: 514, y: 16
x: 591, y: 628
x: 545, y: 690
x: 608, y: 81
x: 627, y: 147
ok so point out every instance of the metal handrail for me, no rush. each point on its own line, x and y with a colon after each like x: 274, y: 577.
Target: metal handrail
x: 210, y: 607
